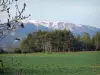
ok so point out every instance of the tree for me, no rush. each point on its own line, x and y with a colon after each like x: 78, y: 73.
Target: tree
x: 24, y: 46
x: 17, y: 50
x: 12, y: 21
x: 86, y: 41
x: 96, y: 41
x: 29, y: 44
x: 4, y: 4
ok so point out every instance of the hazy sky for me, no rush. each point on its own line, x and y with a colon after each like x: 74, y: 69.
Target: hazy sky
x: 76, y: 11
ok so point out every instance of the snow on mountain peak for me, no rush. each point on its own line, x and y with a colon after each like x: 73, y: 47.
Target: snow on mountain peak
x: 80, y: 25
x: 29, y: 21
x: 75, y: 28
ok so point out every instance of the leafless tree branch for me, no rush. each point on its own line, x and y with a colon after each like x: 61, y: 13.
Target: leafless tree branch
x: 7, y: 27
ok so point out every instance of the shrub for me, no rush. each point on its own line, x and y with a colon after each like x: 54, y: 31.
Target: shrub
x: 17, y: 50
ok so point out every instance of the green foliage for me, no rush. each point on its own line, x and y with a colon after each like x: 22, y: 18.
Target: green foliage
x: 1, y: 67
x: 96, y: 40
x: 58, y: 40
x: 17, y: 50
x: 28, y: 44
x: 87, y: 41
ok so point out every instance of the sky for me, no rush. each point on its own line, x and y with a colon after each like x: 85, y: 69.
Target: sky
x: 85, y: 12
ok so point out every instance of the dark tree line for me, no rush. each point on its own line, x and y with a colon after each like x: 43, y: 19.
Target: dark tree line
x: 59, y: 41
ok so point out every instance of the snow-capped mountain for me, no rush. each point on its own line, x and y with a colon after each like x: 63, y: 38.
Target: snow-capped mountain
x: 77, y: 29
x: 35, y: 25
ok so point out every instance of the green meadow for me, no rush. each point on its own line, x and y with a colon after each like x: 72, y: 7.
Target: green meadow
x: 71, y: 63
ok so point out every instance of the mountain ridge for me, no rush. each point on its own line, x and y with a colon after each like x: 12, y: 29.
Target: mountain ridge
x: 38, y: 21
x: 35, y: 25
x: 77, y: 29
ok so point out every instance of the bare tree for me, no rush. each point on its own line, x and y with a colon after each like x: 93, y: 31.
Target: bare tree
x: 12, y: 22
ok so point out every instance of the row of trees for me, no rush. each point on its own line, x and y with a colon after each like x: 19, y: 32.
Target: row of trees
x: 59, y: 41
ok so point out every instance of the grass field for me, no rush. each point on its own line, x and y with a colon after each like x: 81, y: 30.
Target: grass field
x: 78, y: 63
